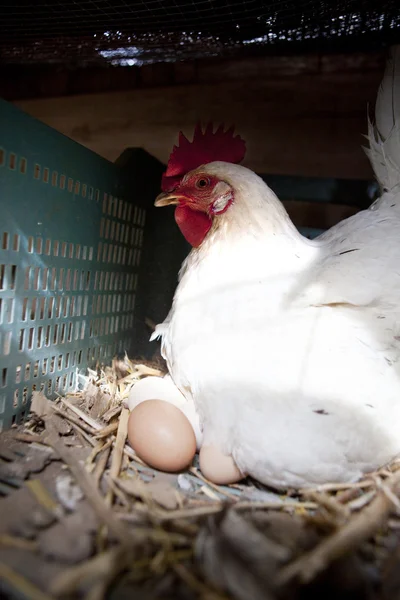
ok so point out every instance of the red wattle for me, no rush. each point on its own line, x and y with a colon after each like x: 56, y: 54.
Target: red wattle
x: 193, y: 224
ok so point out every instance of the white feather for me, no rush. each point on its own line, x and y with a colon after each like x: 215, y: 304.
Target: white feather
x: 387, y: 108
x: 384, y: 135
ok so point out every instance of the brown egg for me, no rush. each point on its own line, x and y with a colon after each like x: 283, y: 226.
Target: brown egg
x: 217, y: 467
x: 161, y: 435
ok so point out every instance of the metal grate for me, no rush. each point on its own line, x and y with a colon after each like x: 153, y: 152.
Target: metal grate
x: 70, y: 250
x: 136, y: 32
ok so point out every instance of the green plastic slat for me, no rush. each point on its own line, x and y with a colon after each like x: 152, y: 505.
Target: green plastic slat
x: 70, y: 250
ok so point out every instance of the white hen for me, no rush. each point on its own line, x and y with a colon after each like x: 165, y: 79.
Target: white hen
x: 290, y: 348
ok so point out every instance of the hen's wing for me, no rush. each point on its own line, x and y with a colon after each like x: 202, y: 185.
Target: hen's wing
x: 359, y: 264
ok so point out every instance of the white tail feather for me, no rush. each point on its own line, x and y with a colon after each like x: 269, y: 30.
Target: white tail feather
x: 384, y: 134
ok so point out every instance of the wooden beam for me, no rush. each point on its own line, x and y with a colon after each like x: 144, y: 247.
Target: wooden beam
x: 298, y: 118
x: 21, y: 81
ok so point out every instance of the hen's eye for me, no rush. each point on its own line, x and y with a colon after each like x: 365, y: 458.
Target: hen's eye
x: 203, y: 182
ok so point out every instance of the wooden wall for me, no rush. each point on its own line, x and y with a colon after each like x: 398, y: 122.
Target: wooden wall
x: 301, y: 115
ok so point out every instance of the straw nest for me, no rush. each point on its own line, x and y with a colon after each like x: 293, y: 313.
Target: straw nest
x: 84, y: 517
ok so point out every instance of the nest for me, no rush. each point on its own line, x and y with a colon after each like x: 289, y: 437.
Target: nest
x: 86, y: 518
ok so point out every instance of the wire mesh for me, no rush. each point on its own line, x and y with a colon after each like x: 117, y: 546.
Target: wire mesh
x: 137, y: 32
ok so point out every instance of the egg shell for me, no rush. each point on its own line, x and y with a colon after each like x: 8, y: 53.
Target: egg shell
x: 162, y: 388
x: 217, y: 467
x: 161, y: 435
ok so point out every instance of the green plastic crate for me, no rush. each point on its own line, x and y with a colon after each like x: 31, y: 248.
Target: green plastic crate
x: 71, y: 237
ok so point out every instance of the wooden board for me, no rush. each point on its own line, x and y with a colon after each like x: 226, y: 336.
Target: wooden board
x: 308, y: 122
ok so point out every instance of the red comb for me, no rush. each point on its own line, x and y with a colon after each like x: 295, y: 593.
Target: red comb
x: 206, y: 147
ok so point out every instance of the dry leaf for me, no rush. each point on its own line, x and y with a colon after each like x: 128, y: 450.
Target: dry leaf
x: 40, y: 405
x: 158, y: 490
x: 134, y: 487
x: 22, y: 467
x: 66, y: 541
x: 41, y: 517
x: 71, y: 540
x: 96, y: 400
x: 163, y: 493
x: 91, y: 392
x: 62, y: 426
x: 100, y: 406
x: 235, y: 556
x: 27, y: 526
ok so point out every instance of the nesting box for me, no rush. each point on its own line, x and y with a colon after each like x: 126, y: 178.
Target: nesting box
x: 75, y: 276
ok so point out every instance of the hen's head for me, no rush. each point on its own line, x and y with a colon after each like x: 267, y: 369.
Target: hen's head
x: 195, y: 184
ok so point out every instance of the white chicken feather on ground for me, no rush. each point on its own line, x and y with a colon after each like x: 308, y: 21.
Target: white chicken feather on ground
x: 288, y: 347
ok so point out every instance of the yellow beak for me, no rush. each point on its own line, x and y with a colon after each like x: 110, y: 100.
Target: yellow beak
x: 165, y: 199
